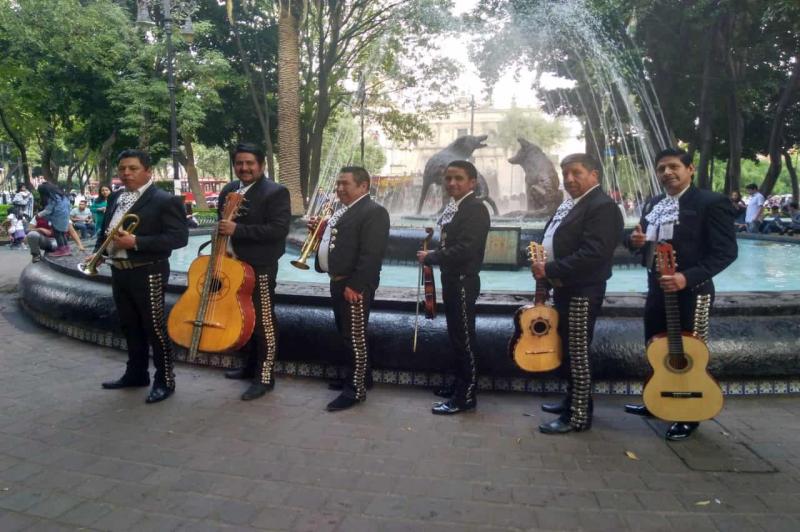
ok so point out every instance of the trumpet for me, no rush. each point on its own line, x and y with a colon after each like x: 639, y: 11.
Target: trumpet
x: 314, y: 237
x: 90, y: 267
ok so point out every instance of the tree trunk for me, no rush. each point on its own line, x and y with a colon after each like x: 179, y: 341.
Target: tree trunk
x: 105, y: 166
x: 706, y: 131
x: 289, y: 102
x: 792, y: 175
x: 21, y: 148
x: 776, y: 133
x: 733, y: 173
x: 191, y: 172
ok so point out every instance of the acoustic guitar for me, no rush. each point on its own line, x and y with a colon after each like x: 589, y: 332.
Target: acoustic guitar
x: 216, y: 312
x: 681, y: 389
x: 536, y: 344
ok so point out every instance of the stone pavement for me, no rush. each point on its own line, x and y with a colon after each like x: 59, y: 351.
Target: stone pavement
x: 73, y: 456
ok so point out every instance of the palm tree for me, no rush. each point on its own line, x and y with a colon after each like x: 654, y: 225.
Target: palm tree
x: 289, y: 100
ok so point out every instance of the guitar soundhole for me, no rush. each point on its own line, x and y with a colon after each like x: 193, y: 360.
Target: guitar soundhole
x: 216, y: 285
x: 539, y: 327
x: 219, y: 286
x: 678, y: 363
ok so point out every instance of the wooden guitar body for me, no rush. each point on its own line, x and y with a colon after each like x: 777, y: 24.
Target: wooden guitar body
x: 686, y: 392
x: 536, y: 344
x: 229, y: 316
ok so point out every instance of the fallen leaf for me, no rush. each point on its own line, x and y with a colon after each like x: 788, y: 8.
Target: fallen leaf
x: 519, y: 440
x: 702, y: 503
x: 631, y: 455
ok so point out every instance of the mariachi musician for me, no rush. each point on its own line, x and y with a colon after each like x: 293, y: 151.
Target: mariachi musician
x: 464, y: 228
x: 579, y: 240
x: 351, y: 253
x: 258, y: 238
x: 140, y: 270
x: 699, y: 225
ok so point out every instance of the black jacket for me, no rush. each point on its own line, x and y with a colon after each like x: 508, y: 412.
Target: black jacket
x: 704, y: 238
x: 584, y: 242
x: 358, y: 244
x: 260, y: 235
x: 463, y: 240
x: 162, y: 224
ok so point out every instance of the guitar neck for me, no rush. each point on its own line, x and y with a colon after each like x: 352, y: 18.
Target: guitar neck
x: 541, y: 294
x: 674, y: 333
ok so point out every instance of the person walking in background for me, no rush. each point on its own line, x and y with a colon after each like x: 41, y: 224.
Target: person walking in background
x: 755, y: 207
x: 56, y: 211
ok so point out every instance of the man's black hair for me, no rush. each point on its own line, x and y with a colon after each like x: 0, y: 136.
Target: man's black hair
x: 588, y: 162
x: 467, y: 166
x: 751, y: 186
x: 360, y: 175
x: 249, y: 147
x: 681, y: 154
x: 143, y: 156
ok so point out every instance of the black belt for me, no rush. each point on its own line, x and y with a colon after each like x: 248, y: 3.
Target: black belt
x: 125, y: 264
x: 337, y: 278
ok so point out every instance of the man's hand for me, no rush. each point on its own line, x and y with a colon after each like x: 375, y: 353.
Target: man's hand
x: 638, y: 238
x: 227, y: 227
x: 351, y: 296
x: 124, y: 240
x: 100, y: 260
x: 421, y: 256
x: 672, y: 283
x: 311, y: 224
x: 538, y: 271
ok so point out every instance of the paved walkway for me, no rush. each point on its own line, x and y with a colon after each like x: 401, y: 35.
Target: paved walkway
x: 73, y: 456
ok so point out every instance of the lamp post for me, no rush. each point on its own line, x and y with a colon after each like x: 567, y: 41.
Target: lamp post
x: 143, y: 20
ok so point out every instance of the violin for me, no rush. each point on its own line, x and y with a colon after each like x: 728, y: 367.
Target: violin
x: 428, y: 283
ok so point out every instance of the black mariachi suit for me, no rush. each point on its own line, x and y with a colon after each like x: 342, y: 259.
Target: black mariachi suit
x: 460, y: 256
x: 704, y: 241
x: 260, y: 240
x: 583, y: 245
x: 139, y: 291
x: 355, y: 254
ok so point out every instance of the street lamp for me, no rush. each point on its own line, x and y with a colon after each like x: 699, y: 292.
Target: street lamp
x: 143, y: 20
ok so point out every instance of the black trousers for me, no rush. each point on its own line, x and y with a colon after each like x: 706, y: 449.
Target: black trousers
x: 139, y: 298
x: 262, y: 349
x: 578, y: 308
x: 459, y: 293
x: 351, y: 322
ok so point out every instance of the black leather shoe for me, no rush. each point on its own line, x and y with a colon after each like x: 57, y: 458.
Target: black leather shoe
x: 448, y: 408
x: 239, y: 374
x: 680, y: 431
x: 341, y: 403
x: 638, y: 410
x: 338, y: 385
x: 444, y: 391
x: 158, y: 394
x: 560, y: 426
x: 127, y: 382
x: 257, y: 390
x: 556, y: 408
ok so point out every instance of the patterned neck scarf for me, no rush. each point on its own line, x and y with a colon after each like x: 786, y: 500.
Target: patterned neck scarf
x: 124, y: 203
x: 449, y: 212
x: 563, y: 210
x: 334, y: 219
x: 662, y: 218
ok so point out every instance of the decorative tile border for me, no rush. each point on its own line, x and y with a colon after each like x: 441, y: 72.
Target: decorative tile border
x: 409, y: 378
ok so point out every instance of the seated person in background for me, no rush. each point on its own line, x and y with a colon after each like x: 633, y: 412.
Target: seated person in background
x: 794, y: 214
x: 82, y: 219
x: 15, y: 226
x: 774, y: 224
x: 40, y: 238
x: 739, y: 206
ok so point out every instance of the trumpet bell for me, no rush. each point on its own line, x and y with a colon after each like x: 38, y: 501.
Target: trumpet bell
x: 87, y: 269
x: 300, y: 264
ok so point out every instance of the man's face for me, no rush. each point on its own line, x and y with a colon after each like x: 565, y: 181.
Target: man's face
x: 247, y: 167
x: 457, y: 183
x: 132, y: 173
x: 82, y: 205
x: 578, y: 180
x: 347, y: 190
x: 673, y: 174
